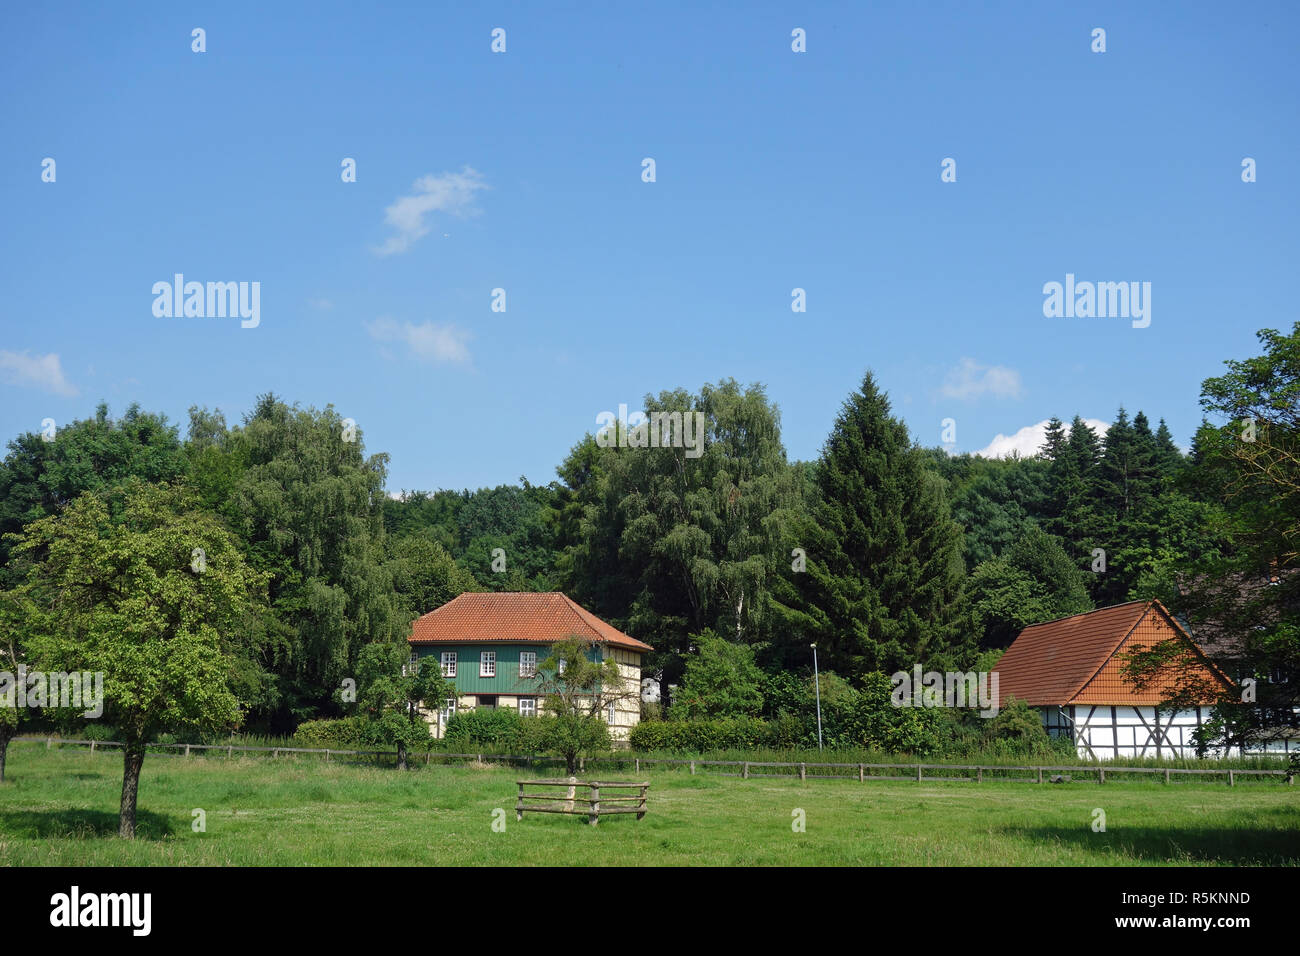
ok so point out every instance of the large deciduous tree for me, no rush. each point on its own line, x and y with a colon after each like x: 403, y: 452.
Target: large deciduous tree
x: 669, y: 545
x: 157, y: 599
x: 296, y: 486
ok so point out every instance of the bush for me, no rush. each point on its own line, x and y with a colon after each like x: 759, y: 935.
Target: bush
x: 346, y: 733
x: 698, y: 736
x: 722, y: 680
x: 495, y: 728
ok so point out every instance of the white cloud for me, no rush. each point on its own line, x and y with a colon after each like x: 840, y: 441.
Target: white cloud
x: 42, y: 371
x: 449, y: 192
x: 1030, y: 439
x: 429, y: 341
x: 972, y: 380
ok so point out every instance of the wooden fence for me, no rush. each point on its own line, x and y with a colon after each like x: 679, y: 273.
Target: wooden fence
x: 592, y: 808
x: 744, y: 769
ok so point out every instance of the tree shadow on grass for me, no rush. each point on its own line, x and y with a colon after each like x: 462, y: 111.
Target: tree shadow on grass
x: 80, y: 824
x: 1225, y: 844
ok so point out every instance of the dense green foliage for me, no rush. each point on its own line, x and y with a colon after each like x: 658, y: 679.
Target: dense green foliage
x: 730, y: 563
x: 884, y: 574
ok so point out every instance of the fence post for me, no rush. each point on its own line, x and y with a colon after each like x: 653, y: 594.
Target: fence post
x: 230, y: 751
x: 979, y: 774
x: 1101, y: 774
x: 1166, y: 775
x: 803, y: 771
x: 1232, y: 779
x: 595, y: 806
x: 1040, y: 774
x: 327, y: 754
x: 918, y: 773
x: 692, y: 766
x: 582, y: 765
x: 861, y: 773
x: 275, y: 752
x: 519, y: 804
x: 187, y: 750
x: 744, y: 771
x: 92, y: 746
x: 638, y: 764
x: 48, y: 741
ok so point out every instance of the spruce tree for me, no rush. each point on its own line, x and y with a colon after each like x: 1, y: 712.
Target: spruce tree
x: 884, y: 557
x: 1053, y: 440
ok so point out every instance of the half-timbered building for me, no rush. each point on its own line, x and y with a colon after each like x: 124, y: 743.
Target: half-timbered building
x: 1071, y: 671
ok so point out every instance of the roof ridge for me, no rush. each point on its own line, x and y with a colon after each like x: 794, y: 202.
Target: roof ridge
x: 1096, y: 610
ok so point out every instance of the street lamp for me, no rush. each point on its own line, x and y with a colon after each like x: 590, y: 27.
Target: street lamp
x: 817, y: 683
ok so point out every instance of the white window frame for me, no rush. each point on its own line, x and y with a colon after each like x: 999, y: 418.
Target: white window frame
x: 448, y: 708
x: 611, y: 713
x: 487, y: 663
x: 448, y: 661
x: 530, y: 670
x: 531, y: 710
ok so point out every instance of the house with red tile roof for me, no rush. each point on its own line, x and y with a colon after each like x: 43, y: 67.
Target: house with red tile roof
x: 1071, y: 671
x: 489, y: 645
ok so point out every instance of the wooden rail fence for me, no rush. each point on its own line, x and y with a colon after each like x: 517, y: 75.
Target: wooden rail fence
x: 741, y: 768
x: 594, y: 807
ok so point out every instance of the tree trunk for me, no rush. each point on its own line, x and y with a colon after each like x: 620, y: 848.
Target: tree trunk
x: 132, y: 761
x: 401, y: 755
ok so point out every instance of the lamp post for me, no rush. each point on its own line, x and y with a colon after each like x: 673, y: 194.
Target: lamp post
x: 817, y: 684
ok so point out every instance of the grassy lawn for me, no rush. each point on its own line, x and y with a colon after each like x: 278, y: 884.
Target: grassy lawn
x: 60, y: 807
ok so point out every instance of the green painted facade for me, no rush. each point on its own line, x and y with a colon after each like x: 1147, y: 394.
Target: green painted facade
x: 507, y: 679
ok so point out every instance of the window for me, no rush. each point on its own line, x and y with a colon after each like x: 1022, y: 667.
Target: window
x: 448, y: 663
x: 561, y: 669
x: 527, y: 663
x: 609, y: 713
x: 527, y: 706
x: 448, y: 708
x: 487, y: 664
x: 412, y: 665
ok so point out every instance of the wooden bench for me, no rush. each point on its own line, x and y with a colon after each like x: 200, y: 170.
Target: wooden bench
x: 592, y: 807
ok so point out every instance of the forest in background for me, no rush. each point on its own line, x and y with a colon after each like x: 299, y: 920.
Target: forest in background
x: 884, y: 553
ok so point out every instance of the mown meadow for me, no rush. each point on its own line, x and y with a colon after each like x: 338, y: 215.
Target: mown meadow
x: 59, y: 807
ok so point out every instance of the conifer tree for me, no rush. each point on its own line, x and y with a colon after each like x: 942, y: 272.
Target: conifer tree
x: 884, y: 570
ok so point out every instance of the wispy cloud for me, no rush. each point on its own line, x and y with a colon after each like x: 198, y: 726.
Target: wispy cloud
x: 451, y: 193
x: 1030, y: 440
x: 971, y: 380
x: 429, y: 341
x: 38, y: 371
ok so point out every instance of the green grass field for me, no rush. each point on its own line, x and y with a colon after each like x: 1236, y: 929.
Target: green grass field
x: 59, y: 807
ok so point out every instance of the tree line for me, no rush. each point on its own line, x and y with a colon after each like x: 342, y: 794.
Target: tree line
x: 267, y: 555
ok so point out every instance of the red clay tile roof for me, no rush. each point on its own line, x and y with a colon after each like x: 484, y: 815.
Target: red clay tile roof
x: 1049, y: 663
x: 516, y: 616
x: 1076, y: 660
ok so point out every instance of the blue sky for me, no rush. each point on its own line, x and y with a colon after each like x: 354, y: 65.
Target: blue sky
x: 523, y: 170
